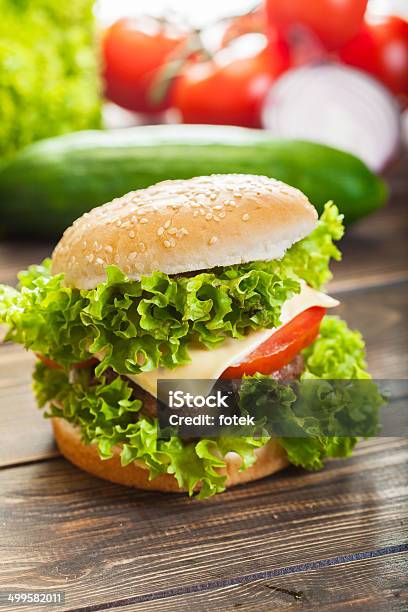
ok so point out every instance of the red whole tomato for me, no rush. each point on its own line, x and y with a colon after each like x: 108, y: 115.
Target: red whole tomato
x: 381, y: 48
x: 332, y: 22
x: 282, y: 347
x: 227, y: 89
x: 134, y: 51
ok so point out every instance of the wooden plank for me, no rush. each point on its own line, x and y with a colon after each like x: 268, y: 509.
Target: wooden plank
x: 375, y: 250
x: 16, y: 256
x: 25, y: 435
x: 381, y: 314
x: 365, y: 584
x: 62, y: 529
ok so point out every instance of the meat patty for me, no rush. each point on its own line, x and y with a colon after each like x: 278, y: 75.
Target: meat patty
x: 291, y: 371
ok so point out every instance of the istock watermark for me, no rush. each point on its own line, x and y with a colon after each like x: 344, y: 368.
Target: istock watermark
x: 179, y: 399
x: 259, y: 406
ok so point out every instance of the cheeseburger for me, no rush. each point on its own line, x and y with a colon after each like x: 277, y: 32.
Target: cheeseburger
x: 213, y: 277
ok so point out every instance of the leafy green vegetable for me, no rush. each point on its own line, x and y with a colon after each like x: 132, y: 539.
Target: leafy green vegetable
x: 310, y: 257
x: 338, y: 352
x: 107, y: 416
x: 48, y: 70
x: 140, y: 325
x: 318, y: 419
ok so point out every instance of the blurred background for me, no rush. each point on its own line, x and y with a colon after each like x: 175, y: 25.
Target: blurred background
x: 326, y: 72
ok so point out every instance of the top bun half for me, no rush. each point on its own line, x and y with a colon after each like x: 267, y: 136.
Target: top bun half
x: 184, y: 226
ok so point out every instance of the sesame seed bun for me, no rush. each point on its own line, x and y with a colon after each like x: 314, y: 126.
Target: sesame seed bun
x: 184, y: 226
x: 269, y: 459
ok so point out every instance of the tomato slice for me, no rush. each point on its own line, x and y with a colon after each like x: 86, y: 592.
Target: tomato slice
x: 282, y: 347
x: 55, y: 366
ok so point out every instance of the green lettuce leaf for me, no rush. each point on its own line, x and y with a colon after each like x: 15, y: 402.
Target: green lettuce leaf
x: 338, y: 353
x: 49, y: 71
x: 309, y: 258
x: 108, y: 417
x: 141, y: 325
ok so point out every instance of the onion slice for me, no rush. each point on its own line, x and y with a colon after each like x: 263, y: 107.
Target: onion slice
x: 337, y: 106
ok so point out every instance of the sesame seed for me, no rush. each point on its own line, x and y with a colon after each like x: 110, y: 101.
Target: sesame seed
x: 173, y: 230
x: 84, y: 244
x: 131, y: 234
x: 160, y: 231
x: 99, y: 261
x: 213, y: 196
x: 222, y: 214
x: 143, y: 220
x: 218, y: 207
x: 167, y: 244
x: 167, y: 224
x: 208, y: 216
x: 118, y: 223
x: 212, y: 240
x: 132, y: 256
x: 245, y: 217
x: 142, y: 246
x: 196, y: 213
x: 89, y: 257
x: 108, y: 249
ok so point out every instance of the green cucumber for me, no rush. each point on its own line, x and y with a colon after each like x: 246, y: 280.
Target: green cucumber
x: 54, y: 181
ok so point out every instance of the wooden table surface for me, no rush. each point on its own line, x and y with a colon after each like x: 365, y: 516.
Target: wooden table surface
x: 331, y: 540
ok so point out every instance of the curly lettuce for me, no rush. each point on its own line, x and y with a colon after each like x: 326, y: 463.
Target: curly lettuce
x: 319, y: 417
x: 49, y: 74
x: 141, y: 325
x: 108, y: 417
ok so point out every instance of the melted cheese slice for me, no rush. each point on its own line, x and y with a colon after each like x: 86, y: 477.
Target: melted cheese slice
x: 210, y: 364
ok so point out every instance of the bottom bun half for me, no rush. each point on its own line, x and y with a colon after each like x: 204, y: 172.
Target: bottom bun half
x: 269, y: 459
